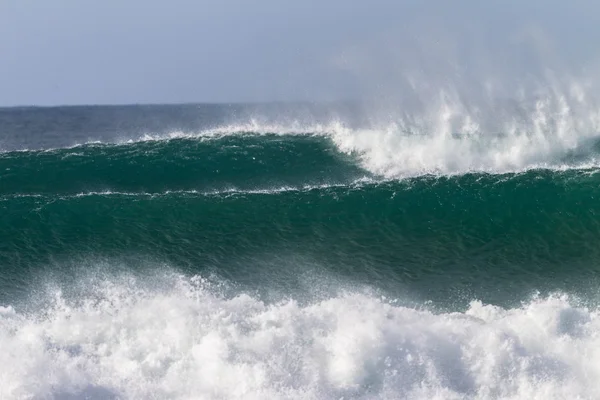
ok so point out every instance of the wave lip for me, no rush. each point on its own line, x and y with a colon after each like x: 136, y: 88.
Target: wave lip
x: 126, y: 339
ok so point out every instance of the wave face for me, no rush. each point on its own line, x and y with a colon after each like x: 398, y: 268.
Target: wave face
x: 216, y: 252
x: 471, y: 233
x: 244, y: 162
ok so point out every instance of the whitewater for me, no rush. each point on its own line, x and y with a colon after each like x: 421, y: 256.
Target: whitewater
x: 187, y: 338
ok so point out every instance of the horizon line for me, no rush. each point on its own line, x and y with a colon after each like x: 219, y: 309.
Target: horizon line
x: 199, y: 103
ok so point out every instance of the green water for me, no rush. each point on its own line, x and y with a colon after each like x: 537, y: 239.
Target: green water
x: 259, y: 210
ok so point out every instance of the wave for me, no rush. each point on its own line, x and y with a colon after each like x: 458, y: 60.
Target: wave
x: 449, y: 146
x: 446, y: 135
x: 449, y: 135
x: 392, y: 152
x: 421, y: 232
x: 256, y: 163
x: 232, y: 163
x: 171, y: 336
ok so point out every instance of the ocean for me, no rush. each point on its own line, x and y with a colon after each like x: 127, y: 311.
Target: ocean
x: 300, y: 251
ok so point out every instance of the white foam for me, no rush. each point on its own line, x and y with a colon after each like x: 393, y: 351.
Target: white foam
x: 453, y: 138
x: 120, y: 338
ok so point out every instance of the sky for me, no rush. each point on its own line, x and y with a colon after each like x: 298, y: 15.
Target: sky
x: 178, y: 51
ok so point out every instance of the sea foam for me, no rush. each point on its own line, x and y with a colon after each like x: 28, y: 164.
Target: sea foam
x: 122, y: 338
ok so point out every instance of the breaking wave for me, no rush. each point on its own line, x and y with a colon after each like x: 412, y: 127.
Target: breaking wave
x: 171, y: 336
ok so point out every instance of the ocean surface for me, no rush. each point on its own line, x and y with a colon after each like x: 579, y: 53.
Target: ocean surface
x: 300, y: 252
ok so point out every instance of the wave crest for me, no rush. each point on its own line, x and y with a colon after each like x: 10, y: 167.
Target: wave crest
x: 447, y: 133
x: 449, y: 136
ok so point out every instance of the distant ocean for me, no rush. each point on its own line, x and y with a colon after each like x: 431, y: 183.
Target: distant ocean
x: 298, y: 252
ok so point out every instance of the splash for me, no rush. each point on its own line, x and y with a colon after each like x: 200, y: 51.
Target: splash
x: 559, y: 131
x: 184, y: 338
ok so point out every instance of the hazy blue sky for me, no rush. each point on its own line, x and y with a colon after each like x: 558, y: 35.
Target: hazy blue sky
x: 153, y: 51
